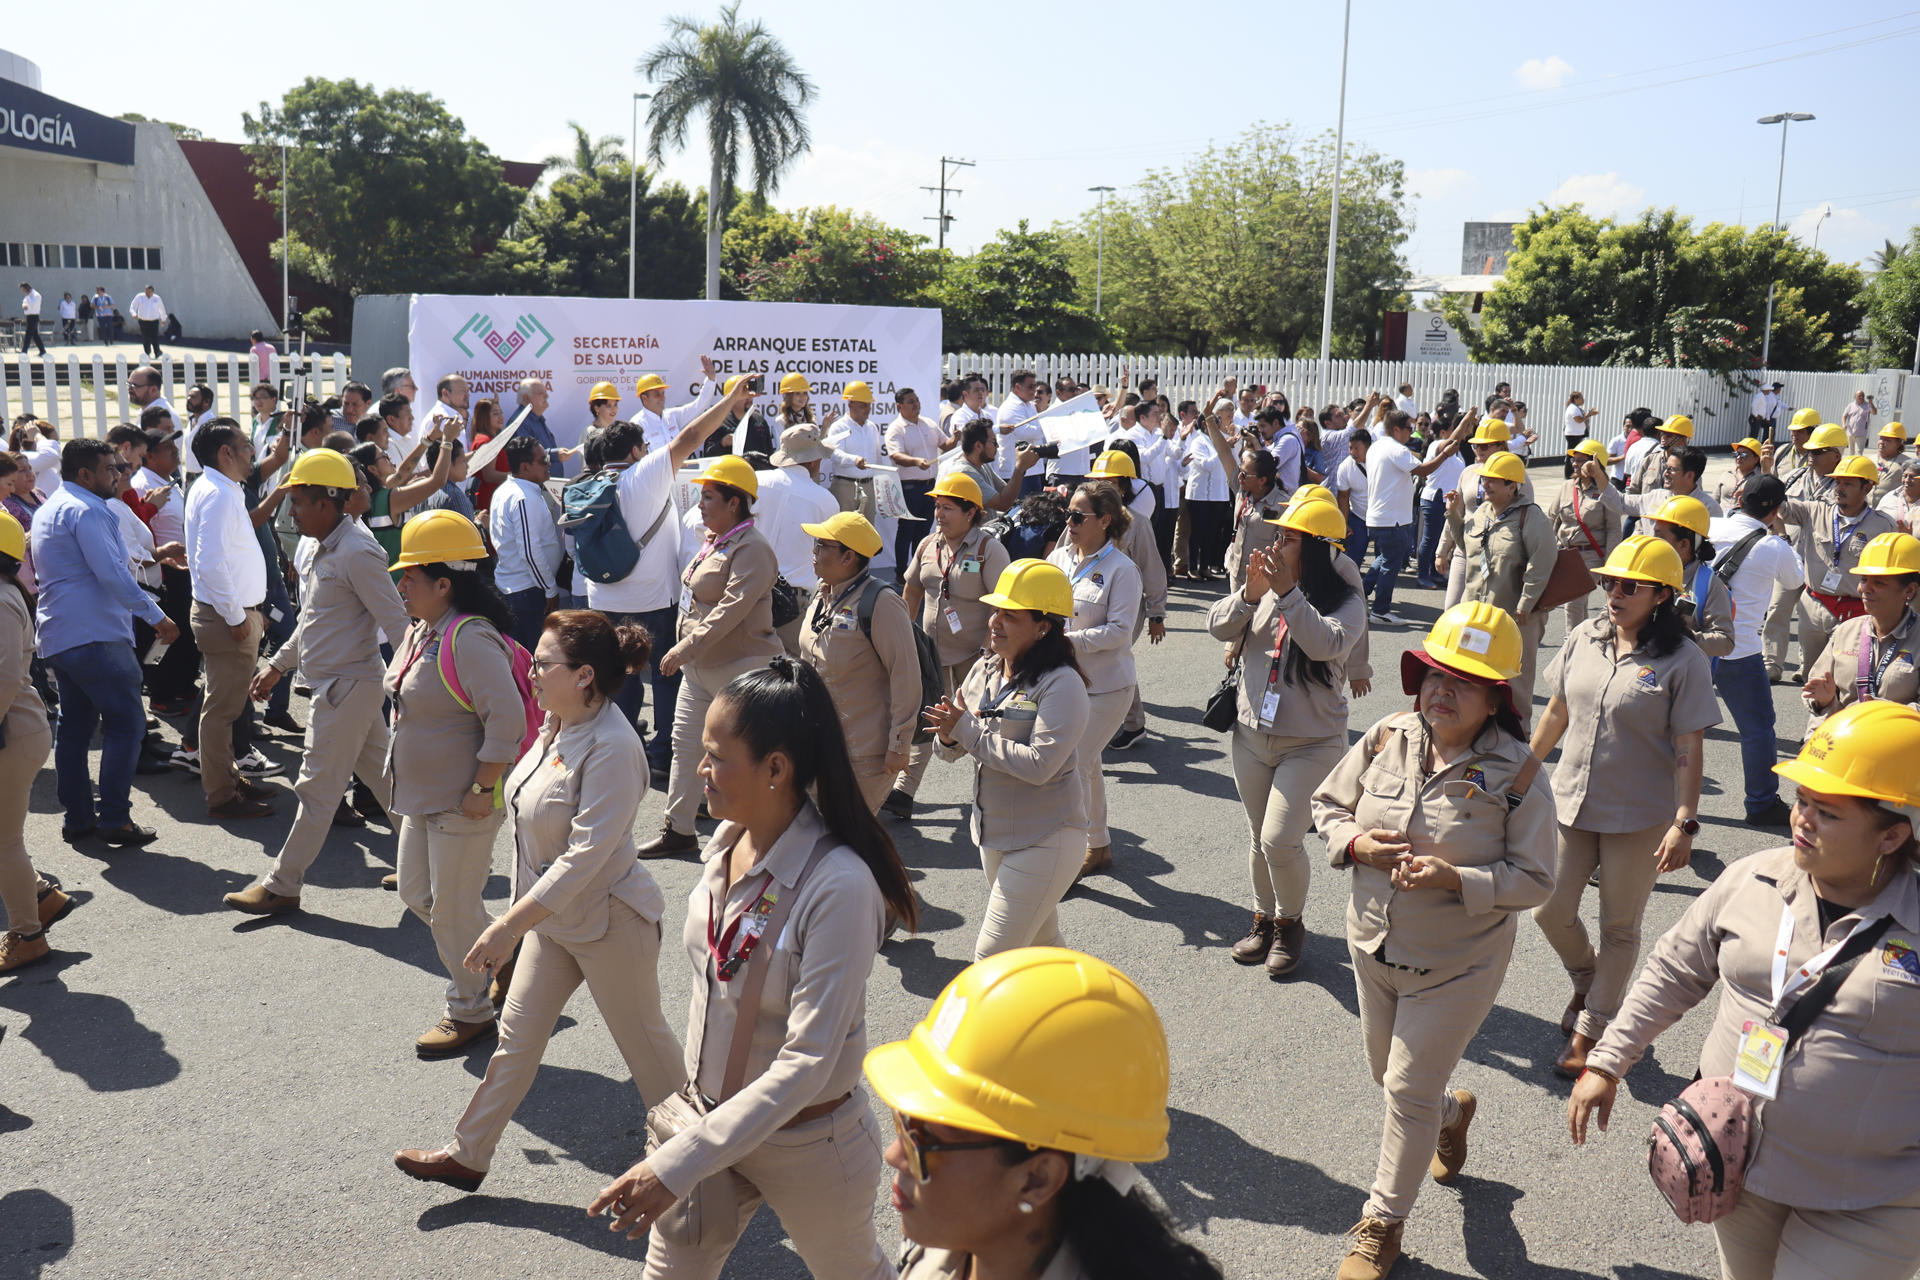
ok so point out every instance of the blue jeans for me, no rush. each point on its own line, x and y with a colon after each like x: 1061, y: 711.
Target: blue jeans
x: 529, y: 610
x: 1394, y: 543
x: 1743, y: 686
x: 99, y: 684
x: 631, y: 699
x: 1356, y: 542
x: 1436, y: 523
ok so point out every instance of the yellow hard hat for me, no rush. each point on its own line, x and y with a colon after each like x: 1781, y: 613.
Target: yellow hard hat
x: 859, y: 391
x: 958, y: 487
x: 1593, y: 449
x: 1679, y: 424
x: 794, y: 382
x: 1491, y: 431
x: 733, y: 383
x: 604, y: 391
x: 848, y: 528
x: 1112, y: 465
x: 650, y: 382
x: 1828, y: 435
x: 440, y: 537
x: 731, y: 470
x: 1865, y: 750
x: 1473, y: 639
x: 1893, y: 431
x: 1314, y: 516
x: 1805, y: 419
x: 1504, y: 466
x: 1644, y: 558
x: 1751, y: 445
x: 13, y: 536
x: 1856, y: 468
x: 1313, y: 491
x: 1032, y: 584
x: 323, y: 468
x: 1687, y: 512
x: 1038, y: 1045
x: 1891, y: 555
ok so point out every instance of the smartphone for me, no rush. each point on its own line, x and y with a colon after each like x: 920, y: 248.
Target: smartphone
x: 756, y: 383
x: 286, y: 390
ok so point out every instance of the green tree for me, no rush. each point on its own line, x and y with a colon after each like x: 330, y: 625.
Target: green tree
x: 587, y: 155
x: 844, y: 257
x: 1893, y: 314
x: 1016, y: 294
x: 572, y: 240
x: 185, y: 131
x: 748, y: 87
x: 757, y: 232
x: 388, y: 194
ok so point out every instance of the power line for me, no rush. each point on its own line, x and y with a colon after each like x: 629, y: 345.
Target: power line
x: 944, y: 218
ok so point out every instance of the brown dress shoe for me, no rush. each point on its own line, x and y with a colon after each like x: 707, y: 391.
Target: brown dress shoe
x: 390, y: 881
x: 1252, y: 949
x: 16, y: 951
x: 1450, y: 1152
x: 448, y: 1037
x: 1571, y: 1018
x: 668, y: 844
x: 253, y: 790
x: 258, y: 900
x: 438, y: 1166
x: 54, y: 901
x: 240, y: 806
x: 1376, y: 1247
x: 1098, y: 859
x: 1289, y: 942
x: 1573, y: 1059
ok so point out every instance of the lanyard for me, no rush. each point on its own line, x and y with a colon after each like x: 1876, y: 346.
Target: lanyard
x: 1087, y: 566
x: 1872, y: 670
x: 1842, y: 539
x: 946, y: 570
x: 1279, y: 643
x: 823, y: 608
x: 1783, y: 985
x: 991, y: 707
x: 712, y: 547
x: 1486, y: 541
x: 727, y: 960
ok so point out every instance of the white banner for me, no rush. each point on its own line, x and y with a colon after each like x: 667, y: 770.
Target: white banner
x: 572, y: 343
x: 1074, y: 424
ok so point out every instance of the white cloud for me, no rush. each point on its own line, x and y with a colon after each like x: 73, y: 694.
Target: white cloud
x: 1438, y: 184
x: 1606, y: 195
x: 1543, y: 73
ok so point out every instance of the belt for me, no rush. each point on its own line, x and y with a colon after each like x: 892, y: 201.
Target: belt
x: 1841, y: 607
x: 1381, y: 956
x: 802, y: 1116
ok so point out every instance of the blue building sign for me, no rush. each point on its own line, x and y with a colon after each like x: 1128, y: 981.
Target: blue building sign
x: 34, y: 121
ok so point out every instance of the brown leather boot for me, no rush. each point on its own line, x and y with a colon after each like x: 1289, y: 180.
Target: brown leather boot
x: 258, y: 900
x: 1098, y: 859
x: 53, y: 900
x: 1573, y: 1059
x: 448, y: 1037
x: 438, y: 1166
x: 1289, y: 943
x: 669, y: 843
x: 1376, y: 1247
x: 1450, y: 1152
x: 1252, y: 949
x: 1571, y: 1018
x: 16, y: 951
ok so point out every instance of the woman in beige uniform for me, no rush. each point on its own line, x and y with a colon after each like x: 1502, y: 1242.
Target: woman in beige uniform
x: 1296, y: 618
x: 952, y: 569
x: 448, y: 754
x: 1582, y: 521
x: 1705, y: 601
x: 1833, y: 1188
x: 1022, y: 716
x: 1449, y: 836
x: 858, y: 637
x: 585, y: 908
x: 1508, y: 549
x: 31, y: 901
x: 1021, y: 1106
x: 781, y: 1116
x: 1106, y: 602
x: 1872, y: 656
x: 1631, y: 699
x: 725, y: 630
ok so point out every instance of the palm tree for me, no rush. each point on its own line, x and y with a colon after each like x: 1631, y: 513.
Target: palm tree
x: 588, y: 155
x: 747, y: 84
x: 1887, y: 255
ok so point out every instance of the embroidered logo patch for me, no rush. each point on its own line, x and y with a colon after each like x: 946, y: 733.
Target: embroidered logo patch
x: 1478, y: 777
x: 1900, y: 960
x: 1099, y: 579
x: 1647, y: 677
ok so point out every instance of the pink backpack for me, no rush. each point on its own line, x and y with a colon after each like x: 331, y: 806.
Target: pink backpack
x: 522, y: 664
x: 1697, y: 1153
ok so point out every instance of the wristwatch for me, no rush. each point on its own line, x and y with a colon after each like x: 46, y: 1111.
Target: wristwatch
x: 1691, y: 826
x: 481, y: 789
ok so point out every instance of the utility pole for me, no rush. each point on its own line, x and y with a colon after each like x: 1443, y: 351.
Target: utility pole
x: 633, y: 194
x: 286, y: 305
x: 1784, y: 119
x: 1100, y: 253
x: 1333, y: 224
x: 944, y: 218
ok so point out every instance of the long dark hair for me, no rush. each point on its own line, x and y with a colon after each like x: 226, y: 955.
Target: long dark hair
x: 1666, y: 630
x: 785, y: 706
x: 1050, y: 652
x: 473, y: 594
x: 1120, y: 1237
x: 1326, y: 591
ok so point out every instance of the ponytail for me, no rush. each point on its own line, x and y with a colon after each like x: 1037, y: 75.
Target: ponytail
x: 1121, y: 1236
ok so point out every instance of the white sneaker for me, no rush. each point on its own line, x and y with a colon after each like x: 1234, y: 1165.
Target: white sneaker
x: 254, y: 765
x: 187, y: 758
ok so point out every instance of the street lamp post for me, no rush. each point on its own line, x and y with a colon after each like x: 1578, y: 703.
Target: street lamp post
x: 1824, y: 215
x: 1100, y: 253
x: 1333, y: 224
x: 286, y: 293
x: 633, y: 194
x: 1784, y: 119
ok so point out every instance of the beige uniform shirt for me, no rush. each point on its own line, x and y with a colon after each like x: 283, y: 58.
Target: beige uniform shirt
x: 347, y: 601
x: 874, y: 680
x: 1803, y: 484
x: 1647, y: 474
x: 1145, y: 554
x: 1471, y: 491
x: 921, y: 1263
x: 1893, y: 473
x: 1310, y: 709
x: 810, y: 1031
x: 1616, y: 759
x: 1821, y: 524
x: 726, y: 601
x: 1510, y: 555
x: 1712, y: 620
x: 1024, y: 738
x: 23, y: 709
x: 1648, y: 501
x: 436, y: 741
x: 1251, y: 532
x: 956, y: 580
x: 1843, y: 1133
x: 1505, y: 854
x: 1732, y: 488
x: 572, y: 800
x: 1106, y: 603
x: 1891, y: 673
x: 1577, y: 504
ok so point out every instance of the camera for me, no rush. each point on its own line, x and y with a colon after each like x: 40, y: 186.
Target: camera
x: 756, y: 383
x: 1045, y: 450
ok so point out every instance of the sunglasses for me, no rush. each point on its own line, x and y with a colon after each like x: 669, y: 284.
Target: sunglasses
x: 918, y: 1144
x: 1623, y: 587
x: 1076, y: 517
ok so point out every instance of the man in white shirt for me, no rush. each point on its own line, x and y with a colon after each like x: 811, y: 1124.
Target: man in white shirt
x: 660, y: 424
x: 1764, y: 411
x: 143, y: 390
x: 971, y: 407
x: 69, y: 319
x: 151, y: 312
x: 155, y: 476
x: 526, y: 538
x: 453, y: 397
x: 1391, y: 473
x: 229, y: 584
x: 30, y: 308
x: 1761, y: 563
x: 1014, y: 422
x: 1405, y: 402
x: 200, y: 411
x: 1350, y: 491
x: 1445, y: 479
x: 857, y: 445
x: 914, y: 445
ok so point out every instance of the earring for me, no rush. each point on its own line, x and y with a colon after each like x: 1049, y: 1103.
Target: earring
x: 1025, y: 1207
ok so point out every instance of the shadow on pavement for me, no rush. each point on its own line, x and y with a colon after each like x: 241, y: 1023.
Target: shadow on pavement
x: 167, y: 881
x: 92, y: 1036
x: 1204, y: 919
x: 1494, y: 1246
x: 37, y: 1230
x: 408, y: 942
x: 923, y: 971
x: 1214, y: 1173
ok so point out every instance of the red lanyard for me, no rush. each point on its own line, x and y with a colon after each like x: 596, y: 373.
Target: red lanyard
x: 946, y: 570
x: 712, y: 547
x: 1279, y: 641
x: 727, y: 961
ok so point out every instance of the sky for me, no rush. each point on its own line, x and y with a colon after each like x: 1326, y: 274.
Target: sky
x: 1623, y: 107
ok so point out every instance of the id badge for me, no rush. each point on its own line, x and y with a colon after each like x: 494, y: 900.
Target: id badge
x: 1269, y: 706
x: 686, y: 599
x: 1756, y: 1064
x: 274, y: 613
x: 953, y: 619
x: 1830, y: 585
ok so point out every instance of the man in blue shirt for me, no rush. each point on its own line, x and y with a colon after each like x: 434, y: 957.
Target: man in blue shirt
x: 533, y: 397
x: 84, y: 631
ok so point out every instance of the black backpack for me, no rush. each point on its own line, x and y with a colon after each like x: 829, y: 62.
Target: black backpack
x: 933, y: 683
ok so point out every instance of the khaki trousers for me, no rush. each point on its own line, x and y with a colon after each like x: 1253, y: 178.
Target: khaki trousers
x: 445, y: 859
x: 1817, y: 625
x: 1276, y: 776
x: 918, y: 756
x: 853, y: 495
x: 1763, y: 1239
x: 1136, y: 709
x: 820, y: 1178
x: 621, y: 969
x: 790, y: 634
x: 698, y: 687
x: 1456, y: 580
x: 1773, y: 639
x: 345, y: 736
x: 1182, y: 538
x: 20, y: 762
x: 1628, y: 868
x: 874, y: 786
x: 229, y: 665
x: 1024, y: 888
x: 1532, y: 628
x: 1105, y: 711
x: 1416, y: 1026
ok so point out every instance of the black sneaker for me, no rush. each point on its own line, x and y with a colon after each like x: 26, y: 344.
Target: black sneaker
x: 1126, y: 738
x: 132, y: 835
x: 1777, y: 816
x: 899, y: 804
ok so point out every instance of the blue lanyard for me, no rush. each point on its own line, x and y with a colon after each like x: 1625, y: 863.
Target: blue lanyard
x: 1839, y: 539
x: 1087, y: 566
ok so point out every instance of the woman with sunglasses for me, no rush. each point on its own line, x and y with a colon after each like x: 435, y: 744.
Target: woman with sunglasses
x: 1030, y: 1171
x: 1295, y: 621
x: 1450, y: 837
x: 584, y: 910
x: 1631, y: 699
x: 1872, y: 656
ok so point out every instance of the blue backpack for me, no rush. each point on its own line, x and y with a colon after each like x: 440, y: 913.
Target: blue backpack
x: 603, y: 547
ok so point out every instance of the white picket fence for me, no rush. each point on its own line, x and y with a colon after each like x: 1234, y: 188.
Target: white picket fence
x: 1719, y: 417
x: 88, y: 396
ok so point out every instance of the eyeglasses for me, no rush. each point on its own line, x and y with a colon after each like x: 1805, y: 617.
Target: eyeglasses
x: 1076, y: 517
x: 918, y: 1145
x: 540, y: 666
x: 1622, y: 587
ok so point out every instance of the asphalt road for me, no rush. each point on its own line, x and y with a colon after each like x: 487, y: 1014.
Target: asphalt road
x: 188, y: 1092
